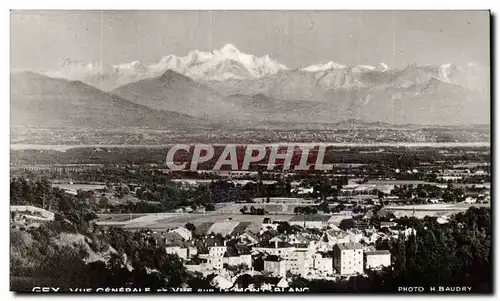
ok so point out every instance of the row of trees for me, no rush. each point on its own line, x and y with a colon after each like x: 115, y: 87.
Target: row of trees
x: 252, y: 211
x: 425, y: 191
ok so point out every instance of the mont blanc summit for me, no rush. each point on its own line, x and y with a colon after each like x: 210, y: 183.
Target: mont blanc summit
x: 225, y: 63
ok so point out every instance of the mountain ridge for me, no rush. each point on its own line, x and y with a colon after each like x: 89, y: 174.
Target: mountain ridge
x: 38, y: 100
x: 427, y: 101
x: 226, y: 63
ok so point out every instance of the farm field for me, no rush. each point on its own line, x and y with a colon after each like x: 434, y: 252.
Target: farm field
x: 118, y: 217
x: 197, y: 219
x: 215, y: 221
x: 231, y: 221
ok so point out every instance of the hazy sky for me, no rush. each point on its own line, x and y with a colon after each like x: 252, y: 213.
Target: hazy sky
x: 41, y: 39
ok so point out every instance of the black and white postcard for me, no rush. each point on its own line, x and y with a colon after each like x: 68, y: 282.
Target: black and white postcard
x: 297, y: 152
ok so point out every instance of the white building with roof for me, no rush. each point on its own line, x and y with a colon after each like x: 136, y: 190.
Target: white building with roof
x: 303, y: 190
x: 470, y: 200
x: 355, y: 235
x: 348, y: 258
x: 213, y: 263
x: 178, y: 250
x: 183, y: 232
x: 236, y: 255
x: 248, y: 238
x: 275, y: 265
x: 215, y: 254
x: 334, y: 237
x: 217, y: 250
x: 301, y: 260
x: 283, y: 249
x: 323, y: 264
x: 377, y: 259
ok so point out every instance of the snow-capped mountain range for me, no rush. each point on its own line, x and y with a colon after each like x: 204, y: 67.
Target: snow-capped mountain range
x: 232, y: 87
x: 225, y: 64
x: 218, y: 65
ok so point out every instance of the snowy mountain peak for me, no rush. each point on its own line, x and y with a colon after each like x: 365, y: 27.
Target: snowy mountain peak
x: 199, y: 55
x: 227, y: 62
x: 229, y: 48
x: 449, y: 65
x: 384, y: 67
x: 68, y: 63
x: 130, y: 68
x: 131, y: 65
x: 446, y: 72
x: 323, y: 67
x: 366, y: 67
x: 166, y: 58
x: 229, y: 51
x: 333, y: 66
